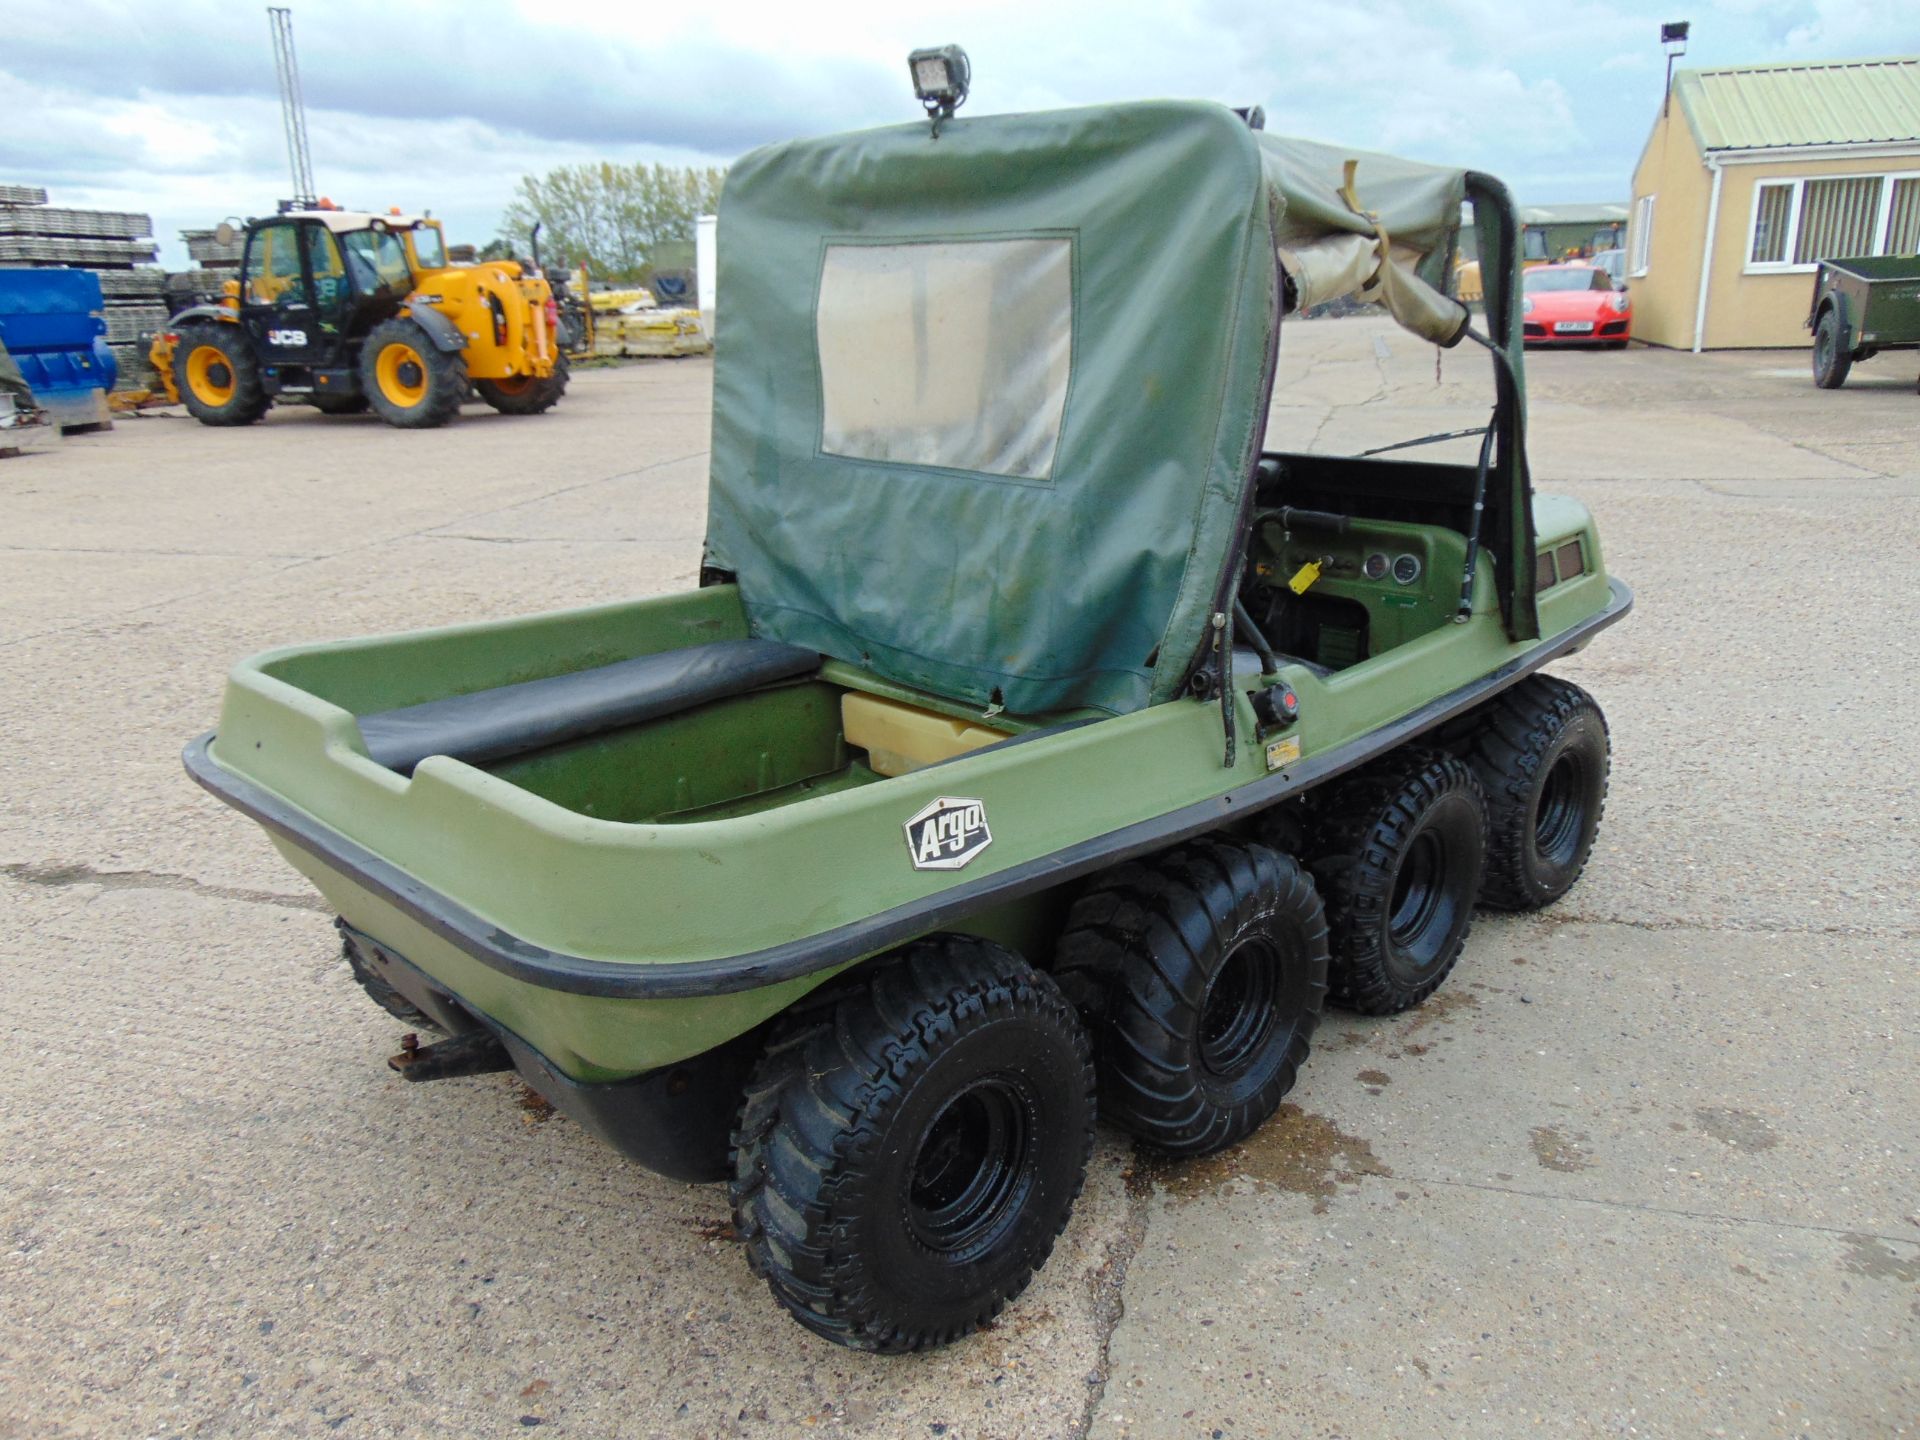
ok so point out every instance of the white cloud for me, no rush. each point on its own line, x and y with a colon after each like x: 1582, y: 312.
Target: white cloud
x: 444, y: 104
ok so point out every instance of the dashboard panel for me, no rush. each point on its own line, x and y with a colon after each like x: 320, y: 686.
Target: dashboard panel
x: 1380, y: 584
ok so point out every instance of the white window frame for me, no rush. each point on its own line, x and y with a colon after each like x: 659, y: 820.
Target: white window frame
x: 1886, y: 206
x: 1787, y: 266
x: 1640, y: 236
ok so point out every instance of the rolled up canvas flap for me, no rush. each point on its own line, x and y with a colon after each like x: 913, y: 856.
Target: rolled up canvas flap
x: 1417, y: 306
x: 1326, y: 269
x: 1336, y: 265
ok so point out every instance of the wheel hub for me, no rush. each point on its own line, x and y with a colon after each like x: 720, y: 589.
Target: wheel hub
x: 1238, y: 1016
x: 966, y: 1174
x: 1557, y: 821
x: 1417, y: 889
x: 1433, y: 885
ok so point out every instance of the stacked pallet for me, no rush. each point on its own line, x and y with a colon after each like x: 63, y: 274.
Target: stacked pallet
x: 204, y: 248
x: 117, y: 244
x: 650, y: 332
x: 213, y: 265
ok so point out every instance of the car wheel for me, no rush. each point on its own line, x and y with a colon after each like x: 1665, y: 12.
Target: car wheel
x: 1399, y: 856
x: 217, y: 376
x: 1201, y: 974
x: 526, y: 394
x: 910, y: 1147
x: 1831, y: 358
x: 410, y: 381
x: 1541, y: 752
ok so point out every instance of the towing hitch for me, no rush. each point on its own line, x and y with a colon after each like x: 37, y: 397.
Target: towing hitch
x: 474, y: 1052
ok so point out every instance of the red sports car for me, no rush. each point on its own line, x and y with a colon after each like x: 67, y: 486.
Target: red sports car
x: 1573, y: 305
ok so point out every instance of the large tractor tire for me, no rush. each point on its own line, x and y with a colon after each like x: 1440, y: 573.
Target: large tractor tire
x: 1399, y: 854
x: 526, y: 394
x: 1201, y: 974
x: 410, y: 381
x: 910, y: 1147
x: 217, y: 375
x: 1831, y: 358
x: 1541, y: 751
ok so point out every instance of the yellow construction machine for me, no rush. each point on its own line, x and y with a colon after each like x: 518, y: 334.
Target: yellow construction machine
x: 345, y: 311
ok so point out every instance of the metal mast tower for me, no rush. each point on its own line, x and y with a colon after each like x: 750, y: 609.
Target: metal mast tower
x: 293, y: 105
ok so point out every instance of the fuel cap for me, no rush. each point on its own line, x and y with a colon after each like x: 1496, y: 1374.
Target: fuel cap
x: 1278, y: 704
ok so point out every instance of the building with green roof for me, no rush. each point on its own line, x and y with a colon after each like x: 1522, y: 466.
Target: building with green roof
x: 1755, y: 173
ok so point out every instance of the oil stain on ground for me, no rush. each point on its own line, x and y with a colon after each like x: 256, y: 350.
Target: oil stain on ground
x: 1741, y: 1129
x: 1298, y: 1152
x: 1563, y: 1151
x: 1395, y: 1039
x: 1877, y: 1260
x: 1438, y: 1007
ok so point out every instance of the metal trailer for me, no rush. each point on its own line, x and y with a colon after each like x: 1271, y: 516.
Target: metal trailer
x: 1861, y: 307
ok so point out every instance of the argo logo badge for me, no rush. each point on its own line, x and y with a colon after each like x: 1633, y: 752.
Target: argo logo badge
x: 948, y: 834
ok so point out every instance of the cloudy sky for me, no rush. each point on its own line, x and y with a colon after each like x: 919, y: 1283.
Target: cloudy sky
x: 173, y: 109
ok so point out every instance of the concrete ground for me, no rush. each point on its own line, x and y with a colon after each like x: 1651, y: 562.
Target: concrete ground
x: 1646, y: 1167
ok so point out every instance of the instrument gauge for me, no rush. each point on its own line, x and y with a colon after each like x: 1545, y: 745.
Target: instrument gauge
x: 1375, y: 567
x: 1406, y: 569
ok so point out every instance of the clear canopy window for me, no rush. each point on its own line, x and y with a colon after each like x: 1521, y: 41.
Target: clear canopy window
x: 951, y: 354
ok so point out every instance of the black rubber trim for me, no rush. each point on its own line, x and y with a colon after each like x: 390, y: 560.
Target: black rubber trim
x: 577, y: 975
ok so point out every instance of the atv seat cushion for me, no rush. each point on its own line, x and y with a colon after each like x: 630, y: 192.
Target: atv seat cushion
x: 489, y: 725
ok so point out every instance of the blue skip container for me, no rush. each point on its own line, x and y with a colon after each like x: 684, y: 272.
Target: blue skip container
x: 50, y: 323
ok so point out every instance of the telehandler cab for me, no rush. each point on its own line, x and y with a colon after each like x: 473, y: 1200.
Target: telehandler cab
x: 1042, y: 740
x: 347, y: 311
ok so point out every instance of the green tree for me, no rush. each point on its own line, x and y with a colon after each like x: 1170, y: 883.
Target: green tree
x: 612, y: 216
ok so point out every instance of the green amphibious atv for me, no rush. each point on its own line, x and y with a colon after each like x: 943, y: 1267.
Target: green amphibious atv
x: 1038, y: 743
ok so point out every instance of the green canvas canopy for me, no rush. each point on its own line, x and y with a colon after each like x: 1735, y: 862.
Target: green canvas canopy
x: 987, y: 405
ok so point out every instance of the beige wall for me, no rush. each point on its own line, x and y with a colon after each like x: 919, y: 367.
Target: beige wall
x: 1670, y: 170
x: 1743, y: 311
x: 1756, y: 310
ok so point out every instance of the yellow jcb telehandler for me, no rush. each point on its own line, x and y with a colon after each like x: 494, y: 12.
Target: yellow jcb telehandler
x: 347, y: 311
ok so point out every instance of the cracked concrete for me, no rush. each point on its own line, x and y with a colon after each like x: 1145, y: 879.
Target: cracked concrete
x: 220, y: 1215
x: 1108, y: 1285
x: 68, y: 875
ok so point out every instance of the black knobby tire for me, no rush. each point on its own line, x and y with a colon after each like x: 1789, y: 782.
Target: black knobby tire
x: 1201, y: 974
x: 1831, y: 358
x: 410, y: 381
x: 237, y: 397
x: 530, y: 395
x: 1542, y: 753
x: 1287, y: 827
x: 383, y: 994
x: 341, y: 404
x: 911, y: 1145
x: 1398, y: 855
